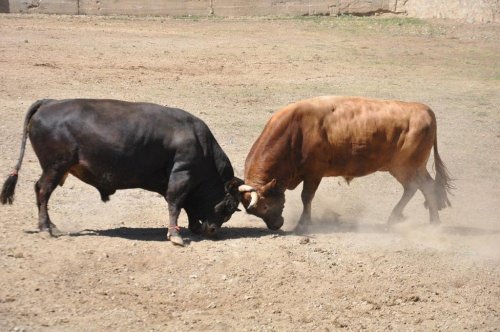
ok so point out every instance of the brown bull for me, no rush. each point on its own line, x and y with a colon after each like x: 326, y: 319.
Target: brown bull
x: 348, y: 137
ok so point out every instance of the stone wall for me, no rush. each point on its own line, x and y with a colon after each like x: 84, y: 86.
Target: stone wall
x: 469, y: 10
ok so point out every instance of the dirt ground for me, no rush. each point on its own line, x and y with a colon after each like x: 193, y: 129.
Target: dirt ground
x: 116, y: 271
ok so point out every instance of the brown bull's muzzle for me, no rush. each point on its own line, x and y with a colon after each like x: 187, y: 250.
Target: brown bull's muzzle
x: 274, y: 223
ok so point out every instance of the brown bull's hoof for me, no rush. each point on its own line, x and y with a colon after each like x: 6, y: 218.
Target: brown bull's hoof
x: 435, y: 222
x: 175, y: 238
x: 301, y: 229
x: 395, y: 219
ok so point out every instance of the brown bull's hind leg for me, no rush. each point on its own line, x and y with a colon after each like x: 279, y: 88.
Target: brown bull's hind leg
x: 43, y: 189
x: 397, y: 213
x: 427, y: 187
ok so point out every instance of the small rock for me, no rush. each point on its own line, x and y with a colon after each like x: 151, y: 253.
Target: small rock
x: 193, y: 276
x: 212, y: 306
x: 414, y: 298
x: 304, y: 240
x: 18, y: 255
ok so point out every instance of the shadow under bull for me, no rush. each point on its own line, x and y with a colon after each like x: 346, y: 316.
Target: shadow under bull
x: 159, y: 233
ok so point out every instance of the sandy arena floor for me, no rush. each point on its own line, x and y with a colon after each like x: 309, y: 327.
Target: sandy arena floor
x: 117, y: 271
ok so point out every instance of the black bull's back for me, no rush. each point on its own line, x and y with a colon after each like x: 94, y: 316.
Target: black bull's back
x: 113, y: 145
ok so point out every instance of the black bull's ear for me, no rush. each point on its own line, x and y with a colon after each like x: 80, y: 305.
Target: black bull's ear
x: 232, y: 185
x: 231, y: 201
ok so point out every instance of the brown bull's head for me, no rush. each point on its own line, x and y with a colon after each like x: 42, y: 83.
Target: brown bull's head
x: 266, y: 202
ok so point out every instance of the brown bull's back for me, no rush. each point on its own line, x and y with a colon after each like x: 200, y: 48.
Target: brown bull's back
x: 366, y: 135
x: 340, y: 136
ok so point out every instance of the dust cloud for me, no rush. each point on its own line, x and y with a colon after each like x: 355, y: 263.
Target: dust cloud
x: 365, y: 213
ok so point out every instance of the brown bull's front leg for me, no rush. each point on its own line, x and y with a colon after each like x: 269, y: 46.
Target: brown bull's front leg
x: 309, y: 189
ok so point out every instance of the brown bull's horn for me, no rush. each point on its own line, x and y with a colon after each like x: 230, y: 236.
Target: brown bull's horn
x: 245, y: 188
x: 253, y: 201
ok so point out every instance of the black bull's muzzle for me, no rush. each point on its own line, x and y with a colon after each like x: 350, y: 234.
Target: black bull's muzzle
x: 209, y: 229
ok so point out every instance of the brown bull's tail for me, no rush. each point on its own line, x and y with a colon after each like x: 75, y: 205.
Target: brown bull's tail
x: 9, y: 187
x: 443, y: 183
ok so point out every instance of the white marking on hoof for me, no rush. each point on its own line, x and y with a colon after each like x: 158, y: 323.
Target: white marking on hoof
x: 175, y: 239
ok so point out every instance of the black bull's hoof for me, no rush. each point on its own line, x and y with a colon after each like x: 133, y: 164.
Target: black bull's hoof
x: 175, y: 238
x: 51, y: 230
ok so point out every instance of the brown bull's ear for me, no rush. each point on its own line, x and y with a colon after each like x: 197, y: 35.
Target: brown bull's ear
x: 269, y: 187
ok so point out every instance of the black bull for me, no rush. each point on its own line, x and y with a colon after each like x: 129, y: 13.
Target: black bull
x: 113, y: 145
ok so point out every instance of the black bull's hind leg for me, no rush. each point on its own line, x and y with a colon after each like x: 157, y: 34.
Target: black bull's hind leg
x: 43, y: 189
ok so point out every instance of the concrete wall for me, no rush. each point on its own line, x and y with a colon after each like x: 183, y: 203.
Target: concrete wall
x: 469, y: 10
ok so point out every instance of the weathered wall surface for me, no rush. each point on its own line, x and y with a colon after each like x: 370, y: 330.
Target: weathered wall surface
x: 469, y: 10
x: 44, y: 6
x: 145, y: 7
x: 4, y: 6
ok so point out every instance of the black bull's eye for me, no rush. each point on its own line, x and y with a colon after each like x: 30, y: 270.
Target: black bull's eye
x: 228, y: 206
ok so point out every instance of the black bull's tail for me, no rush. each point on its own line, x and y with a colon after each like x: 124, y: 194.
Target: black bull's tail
x: 8, y: 189
x: 443, y: 183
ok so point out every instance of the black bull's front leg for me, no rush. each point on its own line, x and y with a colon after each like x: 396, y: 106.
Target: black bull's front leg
x: 195, y: 225
x: 177, y: 191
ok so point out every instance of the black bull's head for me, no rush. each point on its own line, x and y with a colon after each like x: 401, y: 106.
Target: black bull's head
x: 222, y: 210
